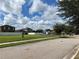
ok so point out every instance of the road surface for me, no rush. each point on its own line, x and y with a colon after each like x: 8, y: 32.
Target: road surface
x: 52, y: 49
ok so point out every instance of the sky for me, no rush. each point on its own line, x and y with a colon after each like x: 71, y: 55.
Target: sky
x: 35, y: 14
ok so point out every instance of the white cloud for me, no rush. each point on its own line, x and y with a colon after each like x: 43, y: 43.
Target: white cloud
x: 50, y: 13
x: 36, y: 18
x: 37, y: 6
x: 1, y: 22
x: 46, y: 20
x: 9, y: 19
x: 58, y: 0
x: 23, y: 20
x: 11, y: 6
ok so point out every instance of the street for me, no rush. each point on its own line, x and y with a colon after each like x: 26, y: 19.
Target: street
x: 51, y: 49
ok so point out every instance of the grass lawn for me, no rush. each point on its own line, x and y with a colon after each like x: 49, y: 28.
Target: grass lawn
x: 19, y: 37
x: 28, y: 39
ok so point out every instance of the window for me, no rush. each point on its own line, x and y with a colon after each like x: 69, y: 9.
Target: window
x: 4, y: 28
x: 8, y: 28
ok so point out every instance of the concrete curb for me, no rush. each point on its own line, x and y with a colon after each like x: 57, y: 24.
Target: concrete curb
x: 73, y: 53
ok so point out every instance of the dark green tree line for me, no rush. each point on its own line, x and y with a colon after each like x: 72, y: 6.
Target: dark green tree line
x: 63, y: 29
x: 70, y: 9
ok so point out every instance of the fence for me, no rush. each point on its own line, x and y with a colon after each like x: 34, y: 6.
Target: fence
x: 10, y: 33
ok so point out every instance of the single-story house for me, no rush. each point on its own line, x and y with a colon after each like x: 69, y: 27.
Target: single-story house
x: 7, y: 28
x: 26, y: 30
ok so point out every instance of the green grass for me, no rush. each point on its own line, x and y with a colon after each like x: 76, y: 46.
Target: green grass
x: 28, y: 38
x: 27, y: 42
x: 19, y: 38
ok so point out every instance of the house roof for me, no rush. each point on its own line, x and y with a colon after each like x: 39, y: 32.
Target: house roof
x: 7, y: 25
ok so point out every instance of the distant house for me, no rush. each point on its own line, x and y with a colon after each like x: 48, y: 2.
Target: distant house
x: 22, y: 30
x: 48, y: 31
x: 26, y: 30
x: 7, y: 28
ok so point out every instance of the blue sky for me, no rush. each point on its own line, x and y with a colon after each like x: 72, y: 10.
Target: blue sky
x: 35, y: 14
x: 25, y: 7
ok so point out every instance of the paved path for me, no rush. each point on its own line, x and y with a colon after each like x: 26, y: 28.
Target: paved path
x: 52, y: 49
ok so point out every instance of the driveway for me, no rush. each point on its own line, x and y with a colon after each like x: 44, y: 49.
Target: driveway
x: 51, y: 49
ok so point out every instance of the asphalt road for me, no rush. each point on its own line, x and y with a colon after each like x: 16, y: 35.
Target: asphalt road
x: 52, y: 49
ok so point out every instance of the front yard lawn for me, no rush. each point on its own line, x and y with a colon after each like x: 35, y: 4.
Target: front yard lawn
x: 19, y: 37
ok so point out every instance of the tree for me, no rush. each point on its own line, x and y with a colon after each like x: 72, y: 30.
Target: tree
x: 70, y: 9
x: 39, y: 31
x: 48, y: 30
x: 29, y: 29
x: 59, y: 28
x: 62, y: 28
x: 68, y: 29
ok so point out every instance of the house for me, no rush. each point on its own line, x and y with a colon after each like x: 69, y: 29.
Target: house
x: 7, y: 28
x: 22, y: 30
x: 48, y: 31
x: 26, y: 30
